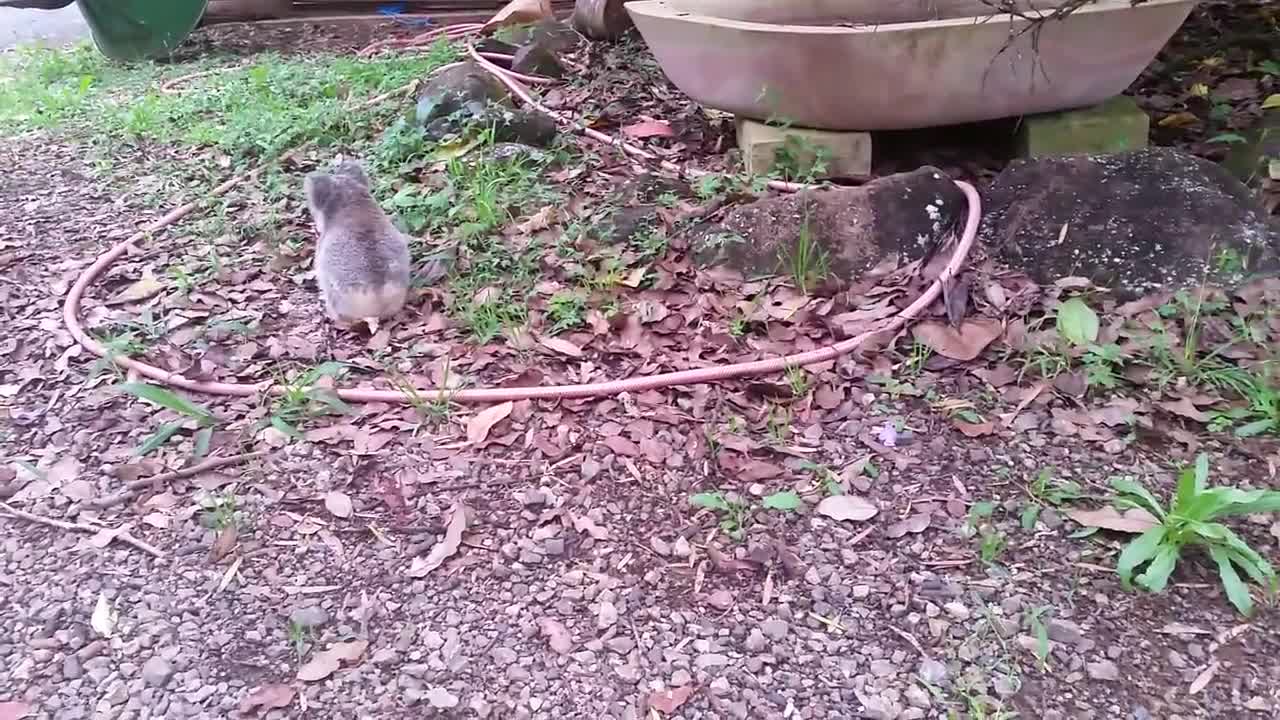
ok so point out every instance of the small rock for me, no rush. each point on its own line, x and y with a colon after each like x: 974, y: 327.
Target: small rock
x: 680, y: 548
x: 957, y: 610
x: 534, y: 59
x: 554, y: 546
x: 933, y: 672
x: 309, y: 617
x: 1103, y: 670
x: 621, y: 645
x: 503, y: 656
x: 774, y: 628
x: 1006, y: 686
x: 883, y: 668
x: 918, y: 697
x: 659, y: 546
x: 720, y: 686
x: 589, y: 469
x: 533, y: 497
x: 157, y: 671
x: 438, y: 697
x: 1065, y: 631
x: 71, y: 669
x: 756, y: 641
x: 708, y: 660
x: 720, y: 599
x: 606, y: 616
x: 681, y: 677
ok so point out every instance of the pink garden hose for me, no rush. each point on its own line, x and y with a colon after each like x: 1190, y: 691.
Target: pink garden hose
x: 71, y: 305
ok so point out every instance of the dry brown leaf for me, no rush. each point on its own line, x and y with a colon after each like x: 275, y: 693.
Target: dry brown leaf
x: 540, y: 220
x: 147, y: 286
x: 560, y: 345
x: 965, y: 342
x: 558, y: 636
x: 478, y: 426
x: 757, y: 470
x: 998, y: 376
x: 720, y: 599
x: 622, y: 446
x: 15, y: 710
x: 327, y: 662
x: 1177, y: 628
x: 447, y: 546
x: 1134, y: 520
x: 64, y: 471
x: 267, y: 697
x: 520, y: 12
x: 1204, y: 678
x: 974, y: 430
x: 584, y: 524
x: 79, y: 490
x: 648, y: 129
x: 1184, y: 408
x: 1178, y: 120
x: 847, y: 507
x: 917, y: 523
x: 338, y: 504
x: 668, y: 701
x: 224, y: 543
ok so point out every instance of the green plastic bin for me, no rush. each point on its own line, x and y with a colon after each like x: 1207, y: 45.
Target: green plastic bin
x: 139, y: 29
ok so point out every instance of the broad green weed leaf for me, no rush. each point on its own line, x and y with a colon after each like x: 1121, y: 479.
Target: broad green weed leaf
x: 1272, y: 102
x: 158, y: 438
x: 1210, y: 504
x: 1237, y: 591
x: 1202, y: 471
x: 712, y: 500
x: 1258, y: 501
x: 1030, y: 514
x: 166, y: 399
x: 1186, y: 491
x: 1157, y: 574
x: 1137, y: 492
x: 1254, y: 428
x: 280, y: 424
x: 786, y: 500
x: 1077, y: 322
x: 1141, y: 549
x: 202, y: 439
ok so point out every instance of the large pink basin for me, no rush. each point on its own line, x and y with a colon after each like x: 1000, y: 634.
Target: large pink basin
x: 898, y: 64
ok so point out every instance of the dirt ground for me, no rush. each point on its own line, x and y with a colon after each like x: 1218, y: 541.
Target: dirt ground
x: 544, y: 560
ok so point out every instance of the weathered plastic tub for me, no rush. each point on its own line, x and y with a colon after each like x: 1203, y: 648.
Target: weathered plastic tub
x: 131, y: 30
x: 898, y: 64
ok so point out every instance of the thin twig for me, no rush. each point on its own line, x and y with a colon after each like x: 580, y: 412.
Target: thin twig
x: 62, y: 524
x: 155, y: 481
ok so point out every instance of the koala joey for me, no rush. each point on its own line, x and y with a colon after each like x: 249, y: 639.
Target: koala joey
x: 362, y: 261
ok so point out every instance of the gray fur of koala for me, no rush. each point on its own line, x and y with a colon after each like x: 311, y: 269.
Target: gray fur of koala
x: 362, y: 261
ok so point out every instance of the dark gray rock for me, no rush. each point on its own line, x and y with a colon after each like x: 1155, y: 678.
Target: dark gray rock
x: 1135, y: 222
x: 550, y: 34
x: 535, y: 59
x: 460, y: 92
x: 855, y: 228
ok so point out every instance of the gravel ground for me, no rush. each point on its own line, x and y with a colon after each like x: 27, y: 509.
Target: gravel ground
x: 334, y: 578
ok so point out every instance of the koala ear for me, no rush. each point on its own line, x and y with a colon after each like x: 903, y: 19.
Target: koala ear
x: 352, y: 170
x: 321, y: 189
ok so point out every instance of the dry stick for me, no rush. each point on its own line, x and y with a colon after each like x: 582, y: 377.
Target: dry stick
x: 136, y: 486
x: 64, y: 525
